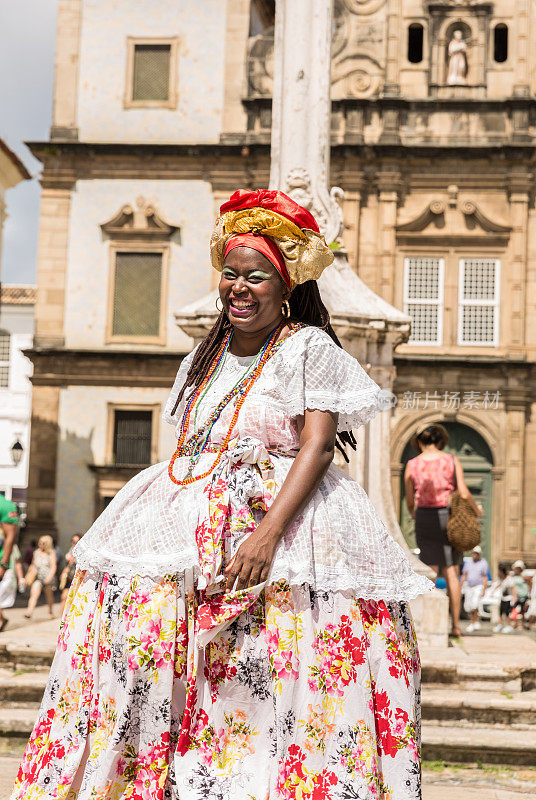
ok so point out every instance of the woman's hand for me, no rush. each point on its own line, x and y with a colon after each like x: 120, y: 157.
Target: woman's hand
x: 251, y: 563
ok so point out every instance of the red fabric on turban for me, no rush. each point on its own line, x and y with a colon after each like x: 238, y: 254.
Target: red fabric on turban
x: 264, y: 245
x: 272, y: 200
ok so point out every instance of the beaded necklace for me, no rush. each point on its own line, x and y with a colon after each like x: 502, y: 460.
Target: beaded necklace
x: 197, y: 442
x: 214, y: 378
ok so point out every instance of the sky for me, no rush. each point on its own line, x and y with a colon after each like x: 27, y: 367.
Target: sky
x: 27, y: 43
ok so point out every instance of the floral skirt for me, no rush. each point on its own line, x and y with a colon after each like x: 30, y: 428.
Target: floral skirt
x: 305, y: 696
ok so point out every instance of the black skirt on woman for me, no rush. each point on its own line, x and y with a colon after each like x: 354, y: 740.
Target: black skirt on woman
x: 431, y: 535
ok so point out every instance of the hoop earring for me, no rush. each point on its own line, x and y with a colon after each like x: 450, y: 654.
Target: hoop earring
x: 218, y: 309
x: 285, y: 309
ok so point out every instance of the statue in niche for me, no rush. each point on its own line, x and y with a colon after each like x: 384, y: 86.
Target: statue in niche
x: 457, y: 63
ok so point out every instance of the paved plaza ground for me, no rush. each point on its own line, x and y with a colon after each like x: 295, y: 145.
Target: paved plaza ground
x: 440, y: 781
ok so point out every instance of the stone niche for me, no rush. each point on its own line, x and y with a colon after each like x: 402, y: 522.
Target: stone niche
x: 358, y: 52
x: 472, y: 21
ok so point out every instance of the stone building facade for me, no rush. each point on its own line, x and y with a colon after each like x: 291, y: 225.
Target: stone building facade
x: 160, y: 112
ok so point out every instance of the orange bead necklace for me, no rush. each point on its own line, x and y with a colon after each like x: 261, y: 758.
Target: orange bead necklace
x: 197, y: 442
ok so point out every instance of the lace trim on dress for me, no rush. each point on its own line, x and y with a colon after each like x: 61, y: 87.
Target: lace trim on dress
x: 353, y: 411
x: 398, y: 588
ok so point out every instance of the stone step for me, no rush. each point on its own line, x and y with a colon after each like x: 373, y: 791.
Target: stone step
x: 22, y: 687
x: 485, y: 744
x: 17, y: 722
x: 15, y: 655
x: 480, y: 677
x: 479, y: 708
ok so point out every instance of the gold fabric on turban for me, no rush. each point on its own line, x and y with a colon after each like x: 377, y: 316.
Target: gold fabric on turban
x: 304, y: 251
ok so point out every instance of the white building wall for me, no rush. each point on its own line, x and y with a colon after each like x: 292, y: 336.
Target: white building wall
x: 200, y: 28
x: 188, y: 204
x: 16, y: 399
x: 83, y: 416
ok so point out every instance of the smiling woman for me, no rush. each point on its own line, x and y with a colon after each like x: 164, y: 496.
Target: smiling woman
x: 238, y: 625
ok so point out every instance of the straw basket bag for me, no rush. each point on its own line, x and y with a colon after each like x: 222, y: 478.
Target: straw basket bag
x: 463, y: 530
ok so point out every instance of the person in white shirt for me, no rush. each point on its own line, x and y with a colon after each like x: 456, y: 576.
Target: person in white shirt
x: 474, y: 582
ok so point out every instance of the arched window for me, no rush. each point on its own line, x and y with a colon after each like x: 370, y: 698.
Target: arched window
x: 5, y: 341
x: 415, y: 42
x: 500, y: 43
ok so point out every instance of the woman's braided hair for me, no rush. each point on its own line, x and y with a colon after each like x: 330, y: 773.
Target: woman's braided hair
x: 305, y: 306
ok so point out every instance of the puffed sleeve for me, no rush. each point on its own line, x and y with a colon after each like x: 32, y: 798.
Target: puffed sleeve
x: 167, y: 416
x: 325, y: 377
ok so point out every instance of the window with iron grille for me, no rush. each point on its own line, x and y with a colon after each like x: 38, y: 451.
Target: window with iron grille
x: 151, y: 72
x: 478, y: 301
x: 5, y: 342
x: 132, y: 437
x: 423, y: 298
x: 137, y: 294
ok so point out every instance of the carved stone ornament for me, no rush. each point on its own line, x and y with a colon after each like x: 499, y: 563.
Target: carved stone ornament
x: 456, y: 218
x: 364, y: 7
x: 139, y: 221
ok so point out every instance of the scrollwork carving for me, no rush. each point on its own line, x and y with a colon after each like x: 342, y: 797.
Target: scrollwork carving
x: 326, y: 210
x: 364, y: 7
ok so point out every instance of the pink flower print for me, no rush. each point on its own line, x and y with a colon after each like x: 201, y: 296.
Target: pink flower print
x: 272, y: 640
x: 151, y: 632
x: 133, y: 661
x: 284, y: 665
x: 145, y: 785
x: 162, y: 654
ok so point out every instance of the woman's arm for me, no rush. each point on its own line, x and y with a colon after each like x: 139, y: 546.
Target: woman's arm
x: 53, y: 567
x: 410, y: 491
x: 463, y: 490
x: 254, y: 557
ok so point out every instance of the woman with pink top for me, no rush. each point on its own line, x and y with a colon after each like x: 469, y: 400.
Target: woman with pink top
x: 429, y: 479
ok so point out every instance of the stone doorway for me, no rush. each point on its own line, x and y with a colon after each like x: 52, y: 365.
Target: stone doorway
x: 477, y: 462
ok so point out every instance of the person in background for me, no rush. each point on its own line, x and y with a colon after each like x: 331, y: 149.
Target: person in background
x: 531, y: 610
x: 520, y: 592
x: 429, y: 480
x: 68, y: 572
x: 505, y: 599
x: 475, y: 580
x: 29, y: 552
x: 9, y: 524
x: 59, y: 556
x: 44, y: 564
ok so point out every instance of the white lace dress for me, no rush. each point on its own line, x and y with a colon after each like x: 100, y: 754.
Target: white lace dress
x: 338, y: 542
x: 309, y: 689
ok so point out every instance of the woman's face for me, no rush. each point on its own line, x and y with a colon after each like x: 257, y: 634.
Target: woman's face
x: 251, y: 290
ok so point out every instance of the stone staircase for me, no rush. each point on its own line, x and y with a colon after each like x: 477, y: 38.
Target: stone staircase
x: 479, y: 712
x: 473, y: 710
x: 24, y: 667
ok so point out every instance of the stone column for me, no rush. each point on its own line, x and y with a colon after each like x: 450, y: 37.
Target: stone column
x: 514, y: 469
x: 52, y: 266
x: 301, y: 109
x: 64, y: 118
x: 49, y: 334
x: 519, y: 204
x: 388, y: 186
x: 352, y: 223
x: 43, y: 460
x: 523, y: 34
x: 394, y: 14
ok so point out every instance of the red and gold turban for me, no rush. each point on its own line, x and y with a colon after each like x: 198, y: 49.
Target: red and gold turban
x: 275, y: 225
